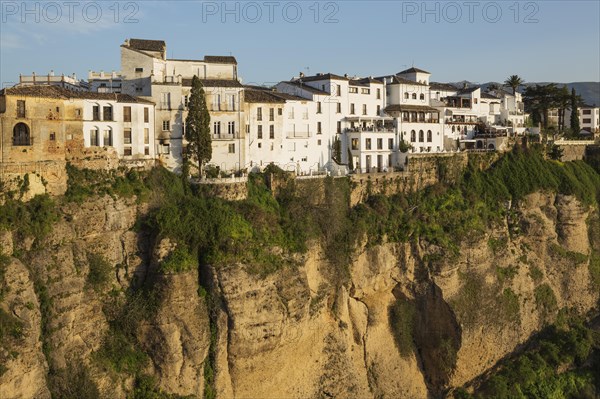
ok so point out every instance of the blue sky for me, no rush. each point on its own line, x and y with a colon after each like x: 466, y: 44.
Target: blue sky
x: 477, y: 41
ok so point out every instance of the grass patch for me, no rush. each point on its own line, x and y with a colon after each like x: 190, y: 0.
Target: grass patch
x: 506, y: 273
x: 535, y: 273
x: 575, y: 258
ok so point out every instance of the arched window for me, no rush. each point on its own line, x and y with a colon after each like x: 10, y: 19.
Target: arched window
x: 453, y: 129
x: 21, y: 135
x: 429, y: 136
x: 422, y: 96
x: 108, y: 137
x: 406, y: 95
x: 413, y: 136
x: 94, y: 137
x: 414, y: 96
x: 421, y: 136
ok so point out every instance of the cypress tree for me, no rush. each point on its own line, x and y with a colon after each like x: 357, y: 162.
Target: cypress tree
x: 197, y: 127
x: 575, y: 128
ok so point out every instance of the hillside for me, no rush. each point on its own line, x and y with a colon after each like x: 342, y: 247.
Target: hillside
x: 139, y: 285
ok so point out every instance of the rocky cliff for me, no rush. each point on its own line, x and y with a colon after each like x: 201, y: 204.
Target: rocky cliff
x: 92, y: 309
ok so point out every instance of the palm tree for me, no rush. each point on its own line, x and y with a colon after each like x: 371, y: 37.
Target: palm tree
x: 514, y: 81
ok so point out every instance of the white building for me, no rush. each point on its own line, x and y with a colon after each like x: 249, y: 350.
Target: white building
x: 120, y: 121
x: 103, y: 82
x: 67, y: 82
x: 589, y: 119
x: 148, y: 73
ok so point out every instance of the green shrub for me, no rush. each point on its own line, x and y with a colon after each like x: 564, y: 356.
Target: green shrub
x: 73, y: 382
x: 545, y: 299
x: 29, y: 219
x: 594, y: 269
x: 180, y: 260
x: 506, y: 273
x: 121, y: 354
x: 10, y: 327
x: 575, y: 258
x: 99, y: 272
x: 536, y: 273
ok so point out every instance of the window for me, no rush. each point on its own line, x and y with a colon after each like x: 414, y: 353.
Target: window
x: 186, y: 100
x: 146, y: 150
x: 231, y: 102
x: 279, y: 111
x: 52, y: 136
x: 318, y: 142
x: 139, y: 70
x: 414, y: 96
x: 587, y: 120
x: 353, y: 89
x: 259, y: 114
x: 413, y: 136
x: 146, y: 136
x: 355, y: 144
x: 127, y: 135
x: 319, y: 131
x: 379, y: 94
x: 259, y: 132
x: 108, y: 138
x: 475, y: 100
x: 21, y: 135
x: 247, y: 129
x: 126, y: 114
x: 127, y: 151
x: 368, y: 144
x: 339, y: 127
x: 365, y: 91
x: 421, y: 136
x: 271, y: 114
x: 107, y: 113
x: 166, y: 125
x: 390, y: 144
x: 429, y: 136
x: 352, y: 109
x: 146, y: 115
x: 96, y: 113
x: 319, y: 107
x: 259, y: 145
x: 584, y: 112
x: 364, y: 109
x: 165, y: 101
x: 339, y: 90
x: 406, y: 95
x: 231, y: 128
x: 322, y: 87
x: 94, y: 137
x: 339, y: 108
x: 380, y: 144
x: 232, y: 148
x: 217, y: 128
x: 20, y: 108
x: 422, y: 97
x: 379, y: 110
x: 271, y: 132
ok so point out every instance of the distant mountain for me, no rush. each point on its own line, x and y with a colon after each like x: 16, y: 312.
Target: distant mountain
x: 589, y: 91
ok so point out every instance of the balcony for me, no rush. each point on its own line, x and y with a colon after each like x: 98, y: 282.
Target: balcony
x: 226, y: 136
x: 373, y: 129
x: 426, y: 120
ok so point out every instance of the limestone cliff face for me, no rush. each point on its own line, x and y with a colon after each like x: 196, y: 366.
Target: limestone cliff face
x: 304, y: 331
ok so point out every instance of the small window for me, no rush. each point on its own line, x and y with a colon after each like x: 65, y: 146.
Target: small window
x: 406, y: 95
x: 146, y: 150
x: 319, y: 107
x: 232, y: 148
x: 94, y: 137
x: 259, y: 145
x: 127, y: 151
x: 352, y: 109
x: 20, y: 108
x: 319, y: 131
x: 126, y: 114
x: 318, y: 142
x: 146, y: 136
x: 414, y: 96
x: 96, y: 113
x: 364, y: 109
x: 52, y: 136
x: 271, y: 132
x: 355, y: 144
x: 367, y: 144
x: 260, y: 132
x: 139, y: 70
x: 380, y: 144
x: 166, y: 125
x: 231, y: 128
x: 379, y: 94
x: 21, y: 135
x: 259, y: 114
x: 57, y: 109
x: 108, y: 138
x: 279, y: 111
x: 422, y: 96
x: 127, y: 136
x: 271, y: 114
x: 339, y: 127
x: 339, y: 108
x: 146, y: 115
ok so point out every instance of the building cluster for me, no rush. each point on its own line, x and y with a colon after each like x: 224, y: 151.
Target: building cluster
x: 307, y: 124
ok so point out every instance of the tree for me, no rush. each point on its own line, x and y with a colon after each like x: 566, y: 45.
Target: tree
x: 556, y: 152
x: 514, y: 81
x: 575, y: 100
x: 337, y: 150
x: 197, y: 126
x: 563, y: 100
x: 350, y: 160
x: 539, y: 99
